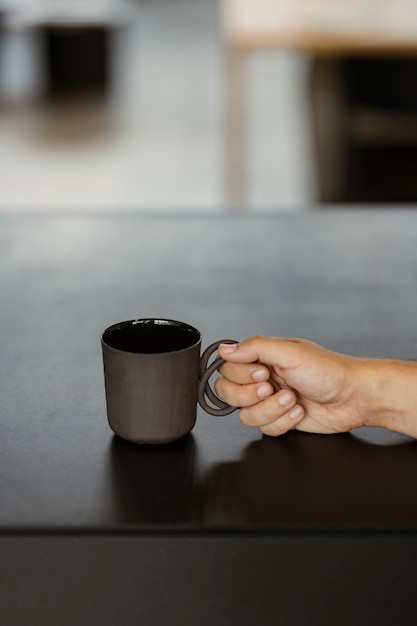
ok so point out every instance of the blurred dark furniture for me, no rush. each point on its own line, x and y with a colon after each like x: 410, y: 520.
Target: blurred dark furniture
x: 77, y: 41
x: 365, y: 114
x: 77, y: 58
x: 381, y: 160
x: 363, y: 92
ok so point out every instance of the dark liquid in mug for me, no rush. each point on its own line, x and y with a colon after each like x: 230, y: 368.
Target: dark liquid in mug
x: 150, y: 337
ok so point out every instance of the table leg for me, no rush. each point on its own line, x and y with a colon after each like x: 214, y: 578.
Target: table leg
x: 235, y: 129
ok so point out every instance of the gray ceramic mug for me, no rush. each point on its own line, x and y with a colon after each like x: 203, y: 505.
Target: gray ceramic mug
x: 154, y: 377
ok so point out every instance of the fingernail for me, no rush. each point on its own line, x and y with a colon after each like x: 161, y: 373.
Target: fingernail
x: 297, y: 412
x: 264, y: 390
x: 286, y: 398
x: 228, y: 348
x: 259, y: 375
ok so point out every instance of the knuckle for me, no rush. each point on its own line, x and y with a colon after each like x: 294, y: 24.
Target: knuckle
x: 252, y: 414
x: 245, y: 418
x: 223, y: 369
x: 274, y: 430
x: 219, y: 387
x: 256, y: 338
x: 272, y: 412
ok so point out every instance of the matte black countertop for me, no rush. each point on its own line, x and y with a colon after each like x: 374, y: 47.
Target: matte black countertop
x: 346, y: 279
x: 225, y: 527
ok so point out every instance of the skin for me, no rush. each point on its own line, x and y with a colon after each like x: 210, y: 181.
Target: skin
x: 283, y: 384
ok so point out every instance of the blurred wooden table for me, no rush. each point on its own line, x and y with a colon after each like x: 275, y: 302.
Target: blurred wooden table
x: 323, y: 29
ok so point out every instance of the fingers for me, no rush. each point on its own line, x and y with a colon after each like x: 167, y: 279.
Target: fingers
x: 284, y: 423
x: 273, y: 413
x: 243, y: 384
x: 264, y: 413
x: 242, y: 395
x: 244, y: 374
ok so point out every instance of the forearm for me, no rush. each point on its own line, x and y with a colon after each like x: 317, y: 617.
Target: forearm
x: 387, y: 394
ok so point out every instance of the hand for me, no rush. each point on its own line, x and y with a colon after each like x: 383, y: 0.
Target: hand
x: 283, y: 384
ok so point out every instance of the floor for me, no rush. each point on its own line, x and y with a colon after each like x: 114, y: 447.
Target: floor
x: 156, y: 141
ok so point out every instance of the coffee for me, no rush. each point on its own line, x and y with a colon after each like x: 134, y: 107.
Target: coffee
x: 151, y: 336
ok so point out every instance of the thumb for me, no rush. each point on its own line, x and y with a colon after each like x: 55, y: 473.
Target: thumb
x: 267, y: 350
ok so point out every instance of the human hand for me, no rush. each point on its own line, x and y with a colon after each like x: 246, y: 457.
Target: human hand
x: 282, y: 384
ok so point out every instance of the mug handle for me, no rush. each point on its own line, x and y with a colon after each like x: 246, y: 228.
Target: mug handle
x: 204, y: 389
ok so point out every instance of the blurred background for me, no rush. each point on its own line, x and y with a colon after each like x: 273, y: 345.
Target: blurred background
x: 207, y: 105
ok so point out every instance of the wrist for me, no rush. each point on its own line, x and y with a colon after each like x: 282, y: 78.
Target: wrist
x: 386, y: 394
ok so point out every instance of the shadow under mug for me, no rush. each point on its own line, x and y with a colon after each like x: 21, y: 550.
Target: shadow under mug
x: 154, y: 377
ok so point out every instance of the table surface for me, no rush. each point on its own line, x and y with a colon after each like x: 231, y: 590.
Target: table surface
x: 344, y: 278
x: 322, y: 27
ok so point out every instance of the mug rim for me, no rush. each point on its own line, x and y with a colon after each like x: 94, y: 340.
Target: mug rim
x: 162, y: 321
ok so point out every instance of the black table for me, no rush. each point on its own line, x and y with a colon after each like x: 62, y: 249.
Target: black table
x: 224, y: 526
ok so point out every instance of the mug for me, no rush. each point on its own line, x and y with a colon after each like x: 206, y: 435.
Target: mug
x: 154, y: 377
